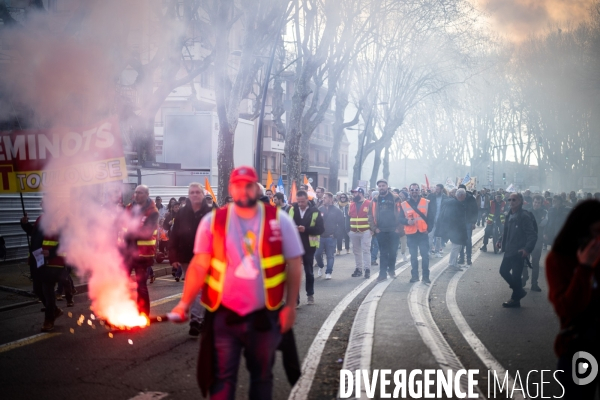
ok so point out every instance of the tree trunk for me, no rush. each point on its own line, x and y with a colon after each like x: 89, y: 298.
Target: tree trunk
x: 143, y: 137
x: 376, y: 166
x: 386, y: 164
x: 304, y: 154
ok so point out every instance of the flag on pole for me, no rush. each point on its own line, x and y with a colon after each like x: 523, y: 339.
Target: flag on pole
x: 310, y: 191
x: 269, y: 181
x: 466, y: 179
x: 293, y: 192
x: 209, y: 190
x: 427, y: 181
x: 510, y: 188
x: 280, y: 188
x: 450, y: 184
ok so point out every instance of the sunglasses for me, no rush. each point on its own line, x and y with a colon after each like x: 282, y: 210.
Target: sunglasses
x: 415, y: 190
x: 512, y: 200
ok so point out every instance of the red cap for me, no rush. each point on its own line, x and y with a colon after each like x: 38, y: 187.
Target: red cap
x: 243, y: 173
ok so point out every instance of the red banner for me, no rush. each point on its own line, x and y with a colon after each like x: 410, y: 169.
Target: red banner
x: 32, y: 161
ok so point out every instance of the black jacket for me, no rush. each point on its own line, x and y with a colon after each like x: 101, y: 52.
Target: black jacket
x: 433, y: 199
x: 183, y: 232
x: 309, y: 230
x: 519, y: 233
x: 333, y: 221
x: 452, y: 221
x: 472, y: 209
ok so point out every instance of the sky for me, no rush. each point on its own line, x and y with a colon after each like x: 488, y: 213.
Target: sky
x: 517, y: 19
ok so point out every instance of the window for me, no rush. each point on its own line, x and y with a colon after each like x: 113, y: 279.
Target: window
x: 264, y: 164
x: 273, y: 164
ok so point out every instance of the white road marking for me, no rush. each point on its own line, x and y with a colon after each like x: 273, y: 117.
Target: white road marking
x: 418, y: 303
x: 482, y: 352
x: 150, y: 396
x: 165, y: 299
x: 360, y: 345
x: 26, y: 341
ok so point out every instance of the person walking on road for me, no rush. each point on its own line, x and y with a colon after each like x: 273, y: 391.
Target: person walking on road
x: 541, y: 219
x: 495, y: 223
x: 310, y: 226
x: 483, y: 206
x: 518, y: 241
x: 573, y: 273
x: 385, y: 211
x: 435, y: 238
x: 247, y: 258
x: 415, y: 216
x: 452, y: 221
x: 181, y: 245
x: 333, y: 223
x: 472, y: 213
x: 361, y: 233
x: 140, y: 243
x: 343, y: 237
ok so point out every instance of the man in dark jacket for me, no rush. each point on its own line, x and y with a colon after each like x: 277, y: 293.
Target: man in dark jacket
x: 451, y: 222
x: 518, y: 241
x: 333, y: 222
x: 385, y: 211
x: 310, y: 225
x: 472, y: 214
x: 181, y: 244
x: 541, y: 219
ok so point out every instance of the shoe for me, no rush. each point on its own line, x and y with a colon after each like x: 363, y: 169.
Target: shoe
x: 57, y: 313
x: 511, y: 304
x: 310, y: 300
x: 413, y: 280
x: 381, y: 278
x: 182, y: 279
x: 327, y: 276
x: 426, y: 280
x: 374, y: 263
x: 176, y: 279
x: 523, y: 294
x: 195, y: 328
x: 48, y: 326
x: 70, y: 303
x: 357, y: 273
x: 483, y: 248
x: 338, y: 253
x: 455, y: 268
x: 347, y: 251
x: 469, y: 262
x: 439, y: 255
x: 461, y: 261
x: 536, y: 288
x: 152, y: 279
x: 367, y: 273
x: 495, y: 250
x: 320, y: 272
x: 392, y: 274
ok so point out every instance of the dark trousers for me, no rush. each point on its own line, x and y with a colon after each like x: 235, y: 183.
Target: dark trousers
x: 307, y: 260
x: 536, y: 255
x: 418, y: 242
x: 482, y: 216
x: 65, y: 284
x: 258, y: 344
x: 327, y: 246
x: 48, y: 277
x: 374, y: 249
x: 511, y: 270
x: 343, y: 238
x: 141, y: 276
x: 387, y: 253
x: 469, y: 245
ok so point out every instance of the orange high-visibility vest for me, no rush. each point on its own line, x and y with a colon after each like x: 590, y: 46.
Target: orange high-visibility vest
x: 146, y: 248
x: 271, y: 258
x: 359, y: 219
x: 409, y: 213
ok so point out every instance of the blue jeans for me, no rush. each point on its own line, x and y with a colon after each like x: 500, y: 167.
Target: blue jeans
x: 418, y: 242
x: 374, y: 249
x: 327, y: 246
x: 259, y: 351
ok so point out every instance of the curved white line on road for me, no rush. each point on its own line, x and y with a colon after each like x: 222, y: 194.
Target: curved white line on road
x: 418, y: 303
x: 478, y: 347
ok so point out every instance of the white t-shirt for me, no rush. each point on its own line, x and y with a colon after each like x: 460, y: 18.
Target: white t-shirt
x: 243, y: 291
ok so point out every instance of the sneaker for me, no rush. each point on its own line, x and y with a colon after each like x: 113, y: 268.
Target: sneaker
x: 511, y: 304
x: 392, y: 274
x: 310, y: 300
x: 536, y: 288
x: 426, y: 280
x: 367, y: 273
x: 347, y: 251
x: 195, y: 328
x: 327, y: 276
x: 413, y: 280
x: 483, y: 248
x: 469, y: 262
x: 374, y: 263
x: 357, y: 273
x: 320, y: 272
x: 48, y: 326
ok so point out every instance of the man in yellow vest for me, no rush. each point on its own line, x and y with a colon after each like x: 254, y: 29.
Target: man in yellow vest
x: 247, y: 256
x: 415, y: 216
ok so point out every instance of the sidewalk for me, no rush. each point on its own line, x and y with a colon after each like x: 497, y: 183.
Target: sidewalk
x: 16, y: 288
